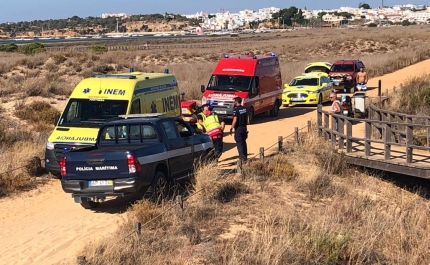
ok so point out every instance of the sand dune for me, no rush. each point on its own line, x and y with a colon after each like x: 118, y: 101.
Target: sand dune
x: 45, y: 226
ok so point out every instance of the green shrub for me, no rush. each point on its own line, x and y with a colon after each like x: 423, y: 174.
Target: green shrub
x: 99, y: 49
x: 37, y: 112
x: 10, y: 47
x: 32, y: 48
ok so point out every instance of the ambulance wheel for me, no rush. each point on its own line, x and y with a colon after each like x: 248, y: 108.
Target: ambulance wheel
x: 275, y: 111
x: 250, y: 116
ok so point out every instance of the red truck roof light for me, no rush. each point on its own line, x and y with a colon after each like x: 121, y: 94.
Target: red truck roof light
x: 133, y: 164
x: 63, y: 170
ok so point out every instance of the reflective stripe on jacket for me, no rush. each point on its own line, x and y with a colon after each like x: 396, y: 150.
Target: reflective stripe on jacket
x: 212, y: 125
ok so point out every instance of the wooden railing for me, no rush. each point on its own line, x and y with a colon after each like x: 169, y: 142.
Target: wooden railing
x: 398, y: 132
x: 387, y: 130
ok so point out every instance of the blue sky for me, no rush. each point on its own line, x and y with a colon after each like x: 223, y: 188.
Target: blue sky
x: 27, y: 10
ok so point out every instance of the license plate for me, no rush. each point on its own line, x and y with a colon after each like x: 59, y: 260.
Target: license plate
x: 96, y: 183
x: 184, y: 111
x: 221, y: 111
x: 297, y: 99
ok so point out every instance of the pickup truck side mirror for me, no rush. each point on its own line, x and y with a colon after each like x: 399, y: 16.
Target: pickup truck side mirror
x: 182, y: 96
x: 57, y: 117
x: 202, y: 88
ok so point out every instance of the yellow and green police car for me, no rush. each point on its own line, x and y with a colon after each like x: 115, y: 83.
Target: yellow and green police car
x: 308, y: 88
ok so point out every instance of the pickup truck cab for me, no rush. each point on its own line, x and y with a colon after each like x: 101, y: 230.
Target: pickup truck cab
x: 133, y: 155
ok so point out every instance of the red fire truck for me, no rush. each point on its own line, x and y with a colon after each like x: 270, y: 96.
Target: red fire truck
x: 254, y: 78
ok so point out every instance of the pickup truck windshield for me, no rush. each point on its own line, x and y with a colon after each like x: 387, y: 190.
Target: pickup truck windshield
x: 230, y: 82
x: 91, y: 113
x: 342, y: 68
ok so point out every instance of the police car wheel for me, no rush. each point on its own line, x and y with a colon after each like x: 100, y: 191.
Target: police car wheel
x: 159, y: 188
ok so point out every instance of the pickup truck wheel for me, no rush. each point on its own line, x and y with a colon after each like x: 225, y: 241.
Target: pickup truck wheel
x: 88, y: 204
x: 159, y: 187
x: 250, y: 116
x: 274, y: 112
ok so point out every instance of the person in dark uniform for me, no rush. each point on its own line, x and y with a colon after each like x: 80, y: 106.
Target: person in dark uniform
x: 240, y: 130
x: 153, y: 107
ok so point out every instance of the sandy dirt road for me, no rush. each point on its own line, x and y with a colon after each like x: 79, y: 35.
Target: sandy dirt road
x: 45, y: 226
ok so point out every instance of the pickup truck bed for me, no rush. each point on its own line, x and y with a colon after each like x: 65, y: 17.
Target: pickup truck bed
x: 123, y: 166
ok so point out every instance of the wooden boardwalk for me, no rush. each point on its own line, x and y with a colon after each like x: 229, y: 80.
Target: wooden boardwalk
x: 388, y: 141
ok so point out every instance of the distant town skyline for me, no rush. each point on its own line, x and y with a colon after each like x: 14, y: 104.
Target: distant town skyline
x: 28, y: 10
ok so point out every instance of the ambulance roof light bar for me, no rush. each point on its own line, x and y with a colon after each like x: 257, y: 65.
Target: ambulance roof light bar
x: 114, y: 76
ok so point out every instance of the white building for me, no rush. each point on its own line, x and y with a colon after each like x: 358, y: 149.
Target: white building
x: 419, y: 16
x: 118, y: 15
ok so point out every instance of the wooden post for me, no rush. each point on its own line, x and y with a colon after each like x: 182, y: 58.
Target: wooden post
x: 333, y: 130
x: 239, y: 167
x: 326, y: 127
x: 138, y: 228
x: 296, y: 135
x: 379, y: 87
x: 428, y: 134
x: 261, y: 154
x: 378, y: 125
x: 340, y: 131
x: 309, y: 126
x: 409, y: 139
x: 280, y: 140
x: 348, y: 136
x: 367, y: 138
x: 380, y: 93
x: 387, y: 141
x: 180, y: 201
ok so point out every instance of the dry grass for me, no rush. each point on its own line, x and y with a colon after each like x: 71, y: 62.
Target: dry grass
x: 316, y: 217
x: 413, y: 97
x: 22, y: 146
x: 53, y: 75
x: 383, y: 50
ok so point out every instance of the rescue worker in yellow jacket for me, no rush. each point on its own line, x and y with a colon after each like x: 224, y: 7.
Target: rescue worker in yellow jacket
x: 211, y: 125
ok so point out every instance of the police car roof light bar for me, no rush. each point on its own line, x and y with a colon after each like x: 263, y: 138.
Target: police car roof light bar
x: 144, y: 115
x: 114, y: 76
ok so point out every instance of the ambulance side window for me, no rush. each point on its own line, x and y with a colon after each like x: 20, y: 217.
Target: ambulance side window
x: 135, y: 107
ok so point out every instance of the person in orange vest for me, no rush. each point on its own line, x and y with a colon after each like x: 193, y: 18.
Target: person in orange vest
x: 209, y: 121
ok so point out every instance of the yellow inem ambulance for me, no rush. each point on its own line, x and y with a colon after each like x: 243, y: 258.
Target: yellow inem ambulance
x: 103, y: 97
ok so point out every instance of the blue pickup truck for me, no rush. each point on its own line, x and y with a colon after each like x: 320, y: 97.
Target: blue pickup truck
x: 133, y: 155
